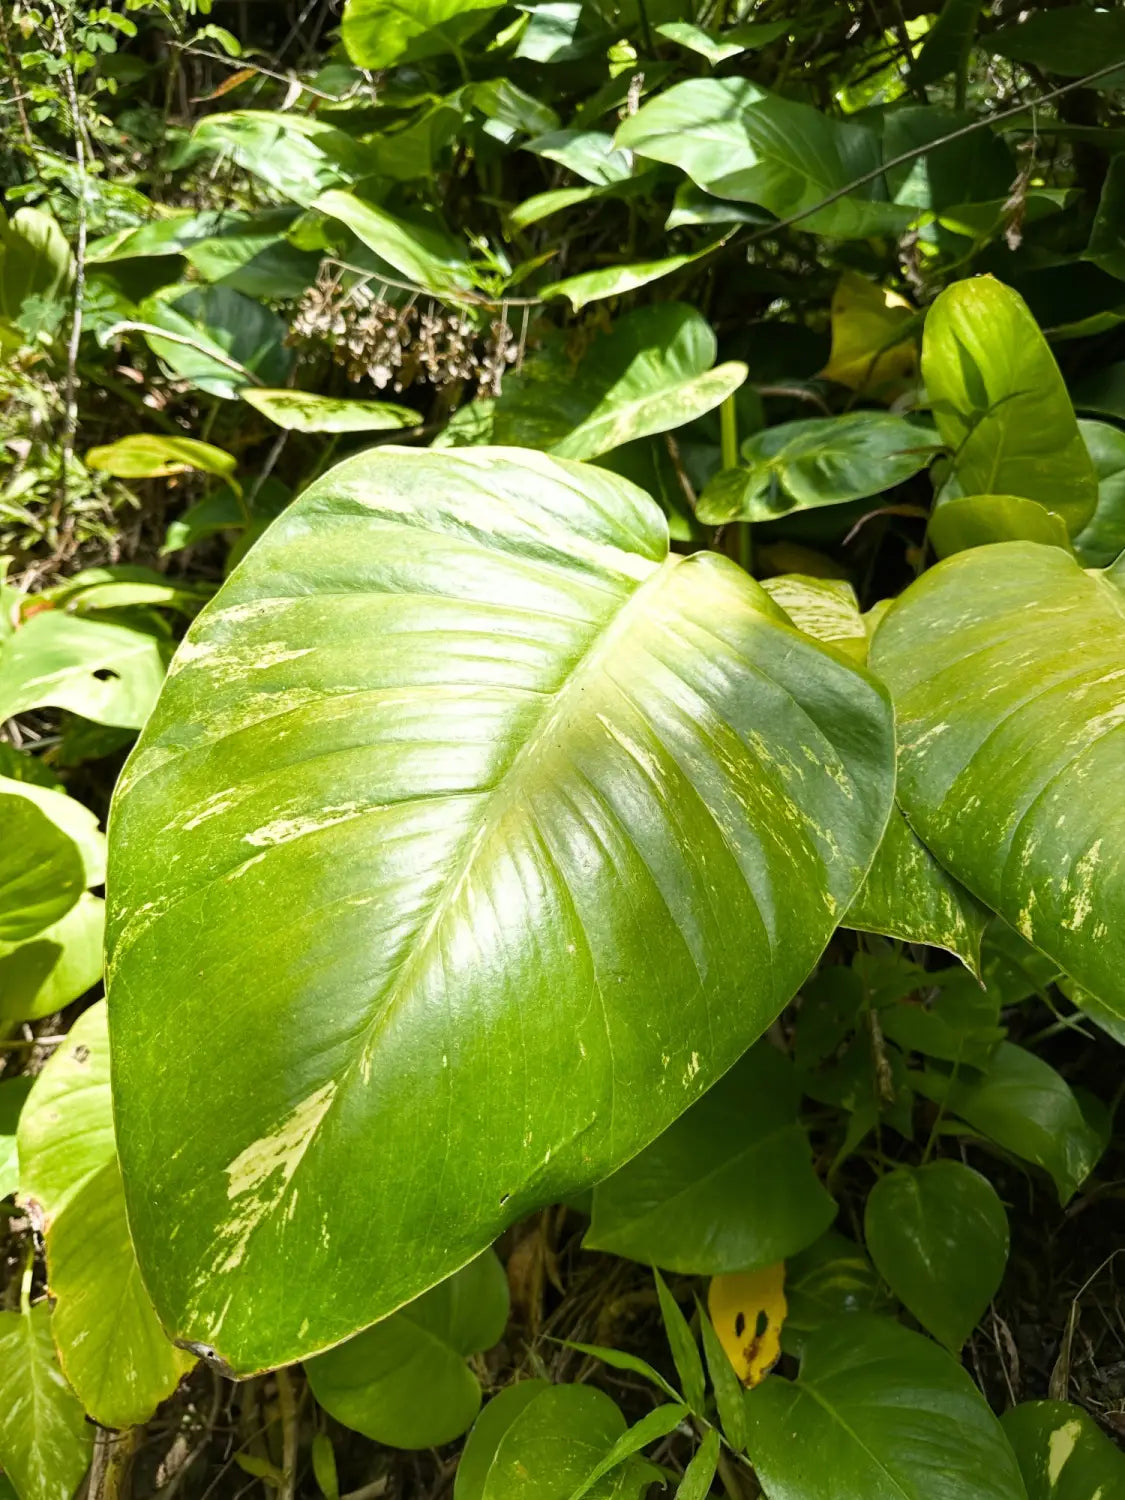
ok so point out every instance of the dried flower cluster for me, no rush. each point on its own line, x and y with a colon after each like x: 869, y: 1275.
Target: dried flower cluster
x: 394, y: 347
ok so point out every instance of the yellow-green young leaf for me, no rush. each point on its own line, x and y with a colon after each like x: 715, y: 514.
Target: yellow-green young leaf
x: 1004, y: 663
x: 939, y: 1237
x: 728, y: 1187
x: 383, y: 33
x: 977, y: 520
x: 906, y: 894
x: 463, y: 774
x: 1000, y: 403
x: 1063, y: 1453
x: 45, y: 1441
x: 879, y: 1412
x: 154, y: 455
x: 301, y: 411
x: 112, y: 1349
x: 404, y: 1381
x: 872, y: 350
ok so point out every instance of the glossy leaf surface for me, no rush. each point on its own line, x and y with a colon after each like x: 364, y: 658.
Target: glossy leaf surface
x: 103, y: 671
x: 44, y: 973
x: 821, y: 461
x: 45, y: 1441
x: 1063, y: 1454
x: 1024, y: 1105
x: 41, y: 874
x: 880, y: 1412
x: 654, y: 371
x: 514, y: 735
x: 939, y: 1237
x: 404, y: 1381
x: 736, y: 141
x: 1102, y: 539
x: 543, y: 1440
x: 1000, y: 402
x: 1005, y: 666
x: 382, y: 33
x: 978, y: 520
x: 113, y: 1350
x: 728, y: 1187
x: 906, y: 894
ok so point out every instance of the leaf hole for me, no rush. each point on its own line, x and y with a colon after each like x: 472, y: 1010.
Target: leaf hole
x: 106, y: 674
x: 504, y: 1198
x: 740, y: 1325
x: 761, y: 1325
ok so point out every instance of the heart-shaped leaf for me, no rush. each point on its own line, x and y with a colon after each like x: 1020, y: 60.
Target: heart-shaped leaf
x: 939, y: 1236
x: 878, y: 1412
x: 729, y: 1187
x: 404, y: 1381
x: 463, y: 776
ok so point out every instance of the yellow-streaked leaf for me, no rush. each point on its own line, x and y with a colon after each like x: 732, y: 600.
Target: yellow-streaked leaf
x: 748, y: 1309
x: 866, y: 356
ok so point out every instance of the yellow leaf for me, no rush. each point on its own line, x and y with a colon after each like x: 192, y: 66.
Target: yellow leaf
x: 865, y: 354
x: 748, y: 1309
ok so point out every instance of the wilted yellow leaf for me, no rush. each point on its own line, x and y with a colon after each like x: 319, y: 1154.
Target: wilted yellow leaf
x: 866, y: 319
x: 748, y: 1309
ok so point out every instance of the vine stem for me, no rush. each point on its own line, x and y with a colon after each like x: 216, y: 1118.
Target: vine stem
x: 287, y: 1404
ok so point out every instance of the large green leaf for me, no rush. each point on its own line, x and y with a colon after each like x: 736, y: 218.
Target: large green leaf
x: 939, y: 1236
x: 877, y: 1412
x: 404, y: 1381
x: 383, y: 33
x: 906, y: 894
x: 45, y: 1441
x: 1000, y: 402
x: 41, y: 874
x: 737, y: 141
x: 728, y: 1187
x: 462, y: 774
x: 654, y: 371
x: 106, y: 672
x: 35, y: 261
x: 296, y: 155
x: 818, y: 461
x: 44, y: 973
x: 429, y: 258
x: 1004, y: 663
x: 1062, y: 1452
x: 1024, y: 1105
x: 545, y: 1440
x: 112, y: 1348
x: 222, y: 340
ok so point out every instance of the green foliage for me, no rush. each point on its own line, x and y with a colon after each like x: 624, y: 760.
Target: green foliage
x: 606, y: 523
